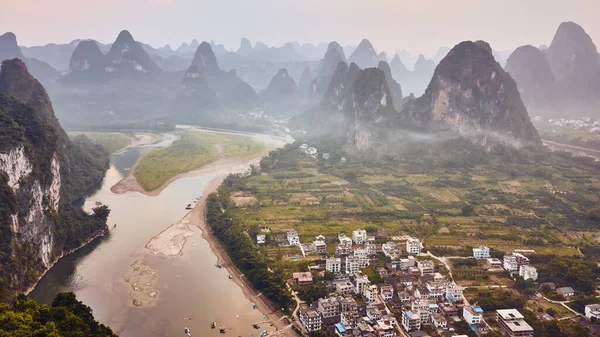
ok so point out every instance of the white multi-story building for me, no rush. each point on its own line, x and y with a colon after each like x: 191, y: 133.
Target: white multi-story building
x: 391, y: 249
x: 528, y: 272
x: 481, y: 253
x: 413, y: 245
x: 343, y: 249
x: 513, y: 324
x: 293, y: 238
x: 510, y: 263
x: 472, y: 314
x: 329, y: 307
x: 370, y: 293
x: 361, y: 282
x: 407, y: 263
x: 385, y: 328
x: 359, y: 236
x: 353, y: 264
x: 261, y: 238
x: 426, y: 267
x: 592, y: 311
x: 387, y: 292
x: 310, y: 318
x: 333, y: 265
x: 370, y: 247
x: 411, y: 321
x: 454, y: 293
x: 344, y: 287
x: 363, y: 257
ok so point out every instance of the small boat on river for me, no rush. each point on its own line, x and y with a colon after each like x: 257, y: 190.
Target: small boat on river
x: 213, y: 325
x: 219, y: 266
x: 222, y: 329
x: 187, y: 331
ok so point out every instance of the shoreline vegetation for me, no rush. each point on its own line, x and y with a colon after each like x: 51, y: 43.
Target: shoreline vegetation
x: 194, y: 150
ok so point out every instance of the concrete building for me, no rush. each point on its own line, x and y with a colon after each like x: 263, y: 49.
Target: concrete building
x: 387, y: 292
x: 473, y: 314
x: 439, y: 321
x: 311, y: 319
x: 413, y: 245
x: 302, y: 278
x: 592, y: 311
x: 359, y: 236
x: 329, y: 307
x: 370, y: 293
x: 344, y: 287
x: 566, y: 291
x: 343, y: 249
x: 385, y: 328
x: 454, y: 293
x: 344, y: 239
x: 261, y: 238
x: 361, y: 283
x: 333, y: 265
x: 407, y: 263
x: 528, y: 272
x: 494, y: 263
x: 510, y: 263
x: 391, y: 249
x: 411, y: 321
x: 320, y: 247
x: 373, y: 312
x: 353, y: 264
x: 426, y: 267
x: 481, y: 253
x: 293, y: 238
x: 512, y: 323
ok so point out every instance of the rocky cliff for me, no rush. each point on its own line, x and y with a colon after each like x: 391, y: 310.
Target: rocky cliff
x: 41, y: 173
x: 471, y: 94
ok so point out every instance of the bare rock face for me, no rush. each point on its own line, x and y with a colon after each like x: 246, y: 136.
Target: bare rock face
x: 364, y: 55
x: 41, y: 173
x: 395, y: 88
x: 88, y: 63
x: 528, y: 66
x: 471, y: 94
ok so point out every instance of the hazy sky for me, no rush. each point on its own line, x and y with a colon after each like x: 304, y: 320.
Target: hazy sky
x: 415, y: 25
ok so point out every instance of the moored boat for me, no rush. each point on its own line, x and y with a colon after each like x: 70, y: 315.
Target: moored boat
x: 213, y: 325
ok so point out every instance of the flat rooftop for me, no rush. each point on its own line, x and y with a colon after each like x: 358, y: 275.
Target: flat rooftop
x: 509, y: 314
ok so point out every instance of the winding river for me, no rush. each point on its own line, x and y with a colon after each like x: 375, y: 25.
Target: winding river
x: 137, y: 293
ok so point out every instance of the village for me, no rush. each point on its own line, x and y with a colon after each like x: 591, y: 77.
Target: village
x: 411, y: 294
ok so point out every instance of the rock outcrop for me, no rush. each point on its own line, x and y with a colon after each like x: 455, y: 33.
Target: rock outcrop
x: 41, y: 173
x: 471, y: 94
x: 304, y: 83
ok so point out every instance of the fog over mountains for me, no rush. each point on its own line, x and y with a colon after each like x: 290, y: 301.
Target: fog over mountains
x: 128, y: 82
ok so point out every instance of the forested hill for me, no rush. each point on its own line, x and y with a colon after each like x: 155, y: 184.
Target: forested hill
x: 67, y: 317
x: 42, y: 173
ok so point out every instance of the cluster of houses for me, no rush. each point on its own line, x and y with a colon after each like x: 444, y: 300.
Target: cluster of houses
x: 515, y: 263
x: 412, y: 295
x: 313, y: 152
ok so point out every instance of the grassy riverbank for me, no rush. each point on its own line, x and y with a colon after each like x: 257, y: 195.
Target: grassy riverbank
x: 194, y: 149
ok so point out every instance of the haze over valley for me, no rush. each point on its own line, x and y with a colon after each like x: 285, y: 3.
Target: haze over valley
x: 427, y: 170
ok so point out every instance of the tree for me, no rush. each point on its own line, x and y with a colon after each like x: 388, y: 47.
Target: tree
x: 467, y: 210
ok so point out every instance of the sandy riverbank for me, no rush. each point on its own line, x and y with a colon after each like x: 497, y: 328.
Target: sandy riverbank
x: 171, y: 241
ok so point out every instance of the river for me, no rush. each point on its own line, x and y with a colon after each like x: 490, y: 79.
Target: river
x: 180, y: 291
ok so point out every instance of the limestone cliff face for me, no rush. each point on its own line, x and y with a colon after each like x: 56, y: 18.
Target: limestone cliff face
x: 128, y: 59
x: 528, y: 66
x: 470, y: 93
x: 38, y: 166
